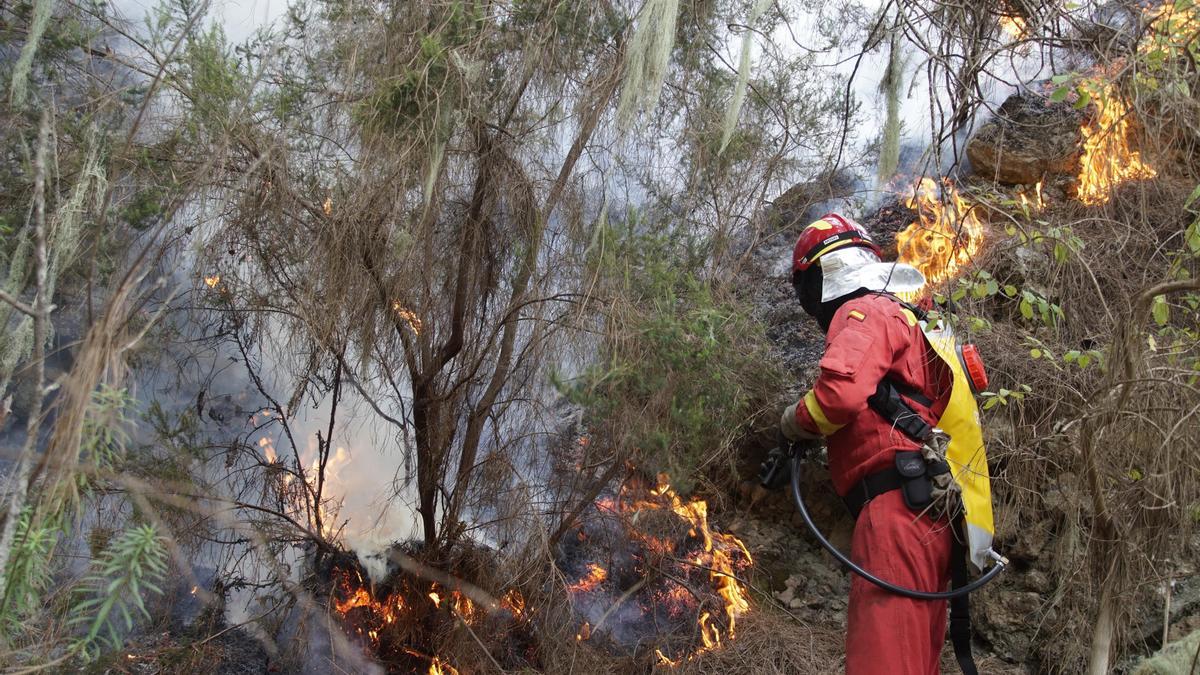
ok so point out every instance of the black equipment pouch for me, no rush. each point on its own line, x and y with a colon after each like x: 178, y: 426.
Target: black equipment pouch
x: 917, y: 488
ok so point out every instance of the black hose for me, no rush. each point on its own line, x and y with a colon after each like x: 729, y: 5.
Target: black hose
x: 899, y: 590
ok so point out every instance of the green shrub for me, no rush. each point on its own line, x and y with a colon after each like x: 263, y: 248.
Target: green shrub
x: 682, y: 368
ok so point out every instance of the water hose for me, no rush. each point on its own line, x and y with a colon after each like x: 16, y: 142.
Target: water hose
x: 1000, y: 561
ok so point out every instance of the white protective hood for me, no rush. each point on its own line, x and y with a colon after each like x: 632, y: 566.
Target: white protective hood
x: 850, y: 268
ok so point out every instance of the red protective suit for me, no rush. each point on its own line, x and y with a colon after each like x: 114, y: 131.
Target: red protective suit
x: 869, y: 338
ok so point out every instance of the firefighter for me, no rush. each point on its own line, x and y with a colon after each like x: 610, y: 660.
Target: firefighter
x: 872, y: 336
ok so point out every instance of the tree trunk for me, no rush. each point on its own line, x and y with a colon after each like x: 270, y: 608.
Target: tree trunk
x: 1102, y: 635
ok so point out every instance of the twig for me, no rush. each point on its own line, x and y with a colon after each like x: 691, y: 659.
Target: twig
x: 482, y: 647
x: 16, y: 304
x: 19, y: 487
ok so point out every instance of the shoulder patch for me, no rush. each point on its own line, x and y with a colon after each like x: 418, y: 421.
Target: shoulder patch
x: 855, y: 314
x: 909, y: 316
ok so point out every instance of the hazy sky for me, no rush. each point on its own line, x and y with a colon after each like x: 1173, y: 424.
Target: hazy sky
x: 239, y: 17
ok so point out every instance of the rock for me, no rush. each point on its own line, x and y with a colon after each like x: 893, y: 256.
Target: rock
x: 1029, y: 137
x: 797, y: 206
x: 796, y: 603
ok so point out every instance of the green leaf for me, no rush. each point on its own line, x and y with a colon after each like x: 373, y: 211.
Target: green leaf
x: 1193, y: 236
x: 1026, y: 309
x: 1084, y: 99
x: 1010, y: 290
x: 1060, y: 94
x: 1160, y: 310
x: 1035, y: 353
x: 990, y: 403
x: 1192, y: 197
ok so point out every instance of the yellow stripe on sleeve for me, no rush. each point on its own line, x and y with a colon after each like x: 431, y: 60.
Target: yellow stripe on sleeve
x: 814, y: 410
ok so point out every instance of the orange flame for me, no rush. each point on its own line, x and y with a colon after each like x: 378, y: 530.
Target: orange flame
x: 268, y: 448
x: 1108, y: 155
x: 1037, y: 203
x: 595, y: 576
x: 212, y: 281
x: 377, y: 614
x: 361, y: 598
x: 716, y: 558
x: 1013, y: 26
x: 414, y: 322
x: 513, y: 602
x: 438, y: 667
x: 946, y: 235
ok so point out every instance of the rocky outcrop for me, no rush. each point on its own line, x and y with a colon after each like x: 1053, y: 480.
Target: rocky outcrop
x: 1029, y: 138
x: 803, y: 202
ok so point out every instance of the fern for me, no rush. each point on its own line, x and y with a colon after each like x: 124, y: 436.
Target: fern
x: 134, y: 562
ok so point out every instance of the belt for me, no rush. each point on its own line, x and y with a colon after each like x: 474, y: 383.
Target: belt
x: 870, y: 487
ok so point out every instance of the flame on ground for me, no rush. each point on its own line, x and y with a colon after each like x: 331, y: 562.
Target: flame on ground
x: 721, y: 556
x: 371, y: 617
x: 1032, y: 205
x: 946, y: 235
x: 595, y: 576
x: 212, y: 281
x: 1109, y: 157
x: 436, y: 667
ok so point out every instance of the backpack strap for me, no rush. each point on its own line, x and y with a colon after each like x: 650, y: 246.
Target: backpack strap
x: 890, y: 404
x: 960, y: 607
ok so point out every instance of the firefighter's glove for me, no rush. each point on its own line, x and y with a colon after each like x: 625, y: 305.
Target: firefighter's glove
x: 776, y: 471
x: 791, y: 429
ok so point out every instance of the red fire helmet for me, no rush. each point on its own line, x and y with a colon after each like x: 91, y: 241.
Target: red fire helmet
x: 831, y: 232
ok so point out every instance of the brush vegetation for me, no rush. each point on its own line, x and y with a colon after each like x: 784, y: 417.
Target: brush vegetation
x: 215, y: 258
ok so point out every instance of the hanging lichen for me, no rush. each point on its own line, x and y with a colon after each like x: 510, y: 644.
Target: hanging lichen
x: 647, y: 56
x: 62, y: 243
x: 18, y: 90
x: 889, y: 148
x: 739, y: 90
